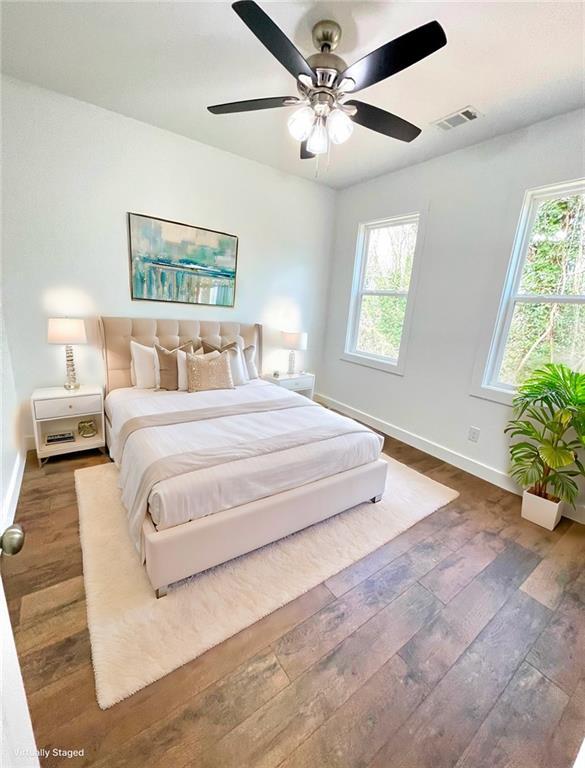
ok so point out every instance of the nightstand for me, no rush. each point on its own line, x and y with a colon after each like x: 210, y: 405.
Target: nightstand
x: 56, y: 410
x: 303, y: 383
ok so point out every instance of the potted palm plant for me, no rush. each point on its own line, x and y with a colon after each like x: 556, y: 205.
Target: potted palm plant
x: 549, y: 411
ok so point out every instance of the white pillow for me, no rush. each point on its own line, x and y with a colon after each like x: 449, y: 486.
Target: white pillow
x: 249, y: 355
x: 145, y: 366
x: 244, y: 364
x: 238, y: 366
x: 181, y: 370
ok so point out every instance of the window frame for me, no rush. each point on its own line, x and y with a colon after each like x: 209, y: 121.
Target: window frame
x: 490, y: 386
x: 368, y: 359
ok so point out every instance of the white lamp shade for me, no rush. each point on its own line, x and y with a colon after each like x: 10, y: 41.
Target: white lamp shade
x: 296, y: 340
x: 339, y: 126
x: 300, y: 123
x: 318, y: 143
x: 66, y: 330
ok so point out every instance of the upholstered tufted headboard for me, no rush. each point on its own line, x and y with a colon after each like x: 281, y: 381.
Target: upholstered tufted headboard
x: 116, y: 333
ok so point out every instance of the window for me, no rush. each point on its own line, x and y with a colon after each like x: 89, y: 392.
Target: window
x: 542, y: 314
x: 379, y: 304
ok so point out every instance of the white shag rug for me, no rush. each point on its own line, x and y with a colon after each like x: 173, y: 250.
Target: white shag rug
x: 137, y: 639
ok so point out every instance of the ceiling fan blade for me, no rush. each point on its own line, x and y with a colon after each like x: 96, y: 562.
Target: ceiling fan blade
x: 252, y: 105
x: 379, y: 120
x: 305, y: 154
x: 396, y: 55
x: 273, y: 38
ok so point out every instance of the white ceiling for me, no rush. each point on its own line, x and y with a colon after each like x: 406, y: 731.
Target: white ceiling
x: 163, y: 63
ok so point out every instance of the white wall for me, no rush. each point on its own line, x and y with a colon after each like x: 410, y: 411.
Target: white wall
x: 470, y: 201
x: 11, y: 440
x: 73, y: 170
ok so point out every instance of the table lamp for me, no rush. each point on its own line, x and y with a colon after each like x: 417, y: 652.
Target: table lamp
x: 293, y: 341
x: 67, y: 331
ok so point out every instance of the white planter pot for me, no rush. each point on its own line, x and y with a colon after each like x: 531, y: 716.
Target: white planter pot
x: 541, y: 511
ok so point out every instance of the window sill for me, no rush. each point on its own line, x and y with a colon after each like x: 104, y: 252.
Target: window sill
x: 494, y: 394
x: 373, y: 362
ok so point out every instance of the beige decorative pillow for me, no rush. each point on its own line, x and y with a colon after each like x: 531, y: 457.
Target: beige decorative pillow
x: 168, y: 365
x: 209, y: 372
x: 207, y: 347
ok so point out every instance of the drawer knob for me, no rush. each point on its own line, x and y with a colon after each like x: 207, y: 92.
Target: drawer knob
x: 71, y: 406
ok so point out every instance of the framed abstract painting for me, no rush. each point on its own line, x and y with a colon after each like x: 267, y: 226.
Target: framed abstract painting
x: 181, y: 263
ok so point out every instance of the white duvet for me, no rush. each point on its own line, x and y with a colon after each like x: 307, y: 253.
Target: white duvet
x: 206, y: 491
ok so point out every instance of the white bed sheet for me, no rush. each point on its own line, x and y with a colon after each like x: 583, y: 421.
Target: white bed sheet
x: 203, y: 492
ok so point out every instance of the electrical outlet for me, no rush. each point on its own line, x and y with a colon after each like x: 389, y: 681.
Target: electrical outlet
x: 473, y: 434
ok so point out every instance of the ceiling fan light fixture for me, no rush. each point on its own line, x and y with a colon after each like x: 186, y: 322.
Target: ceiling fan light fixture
x: 339, y: 126
x: 324, y: 81
x: 318, y: 143
x: 300, y: 123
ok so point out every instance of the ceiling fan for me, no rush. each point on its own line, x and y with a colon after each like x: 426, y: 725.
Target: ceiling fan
x: 325, y: 82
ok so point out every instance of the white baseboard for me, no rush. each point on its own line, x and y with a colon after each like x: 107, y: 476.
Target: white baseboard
x: 477, y: 468
x: 13, y: 490
x: 577, y: 514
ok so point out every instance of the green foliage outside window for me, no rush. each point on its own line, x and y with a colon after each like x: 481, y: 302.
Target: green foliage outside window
x: 389, y: 256
x: 550, y: 331
x: 380, y: 327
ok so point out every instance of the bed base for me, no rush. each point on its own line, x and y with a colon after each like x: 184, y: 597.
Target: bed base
x: 184, y: 550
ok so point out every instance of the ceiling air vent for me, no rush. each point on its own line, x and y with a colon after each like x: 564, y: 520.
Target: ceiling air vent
x: 465, y: 115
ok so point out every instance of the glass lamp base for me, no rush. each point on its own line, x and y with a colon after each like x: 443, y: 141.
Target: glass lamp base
x: 71, y: 382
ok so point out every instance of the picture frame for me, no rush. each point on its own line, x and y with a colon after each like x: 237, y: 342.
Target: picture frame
x: 181, y: 263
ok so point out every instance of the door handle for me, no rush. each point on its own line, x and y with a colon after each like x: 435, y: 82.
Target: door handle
x: 12, y: 540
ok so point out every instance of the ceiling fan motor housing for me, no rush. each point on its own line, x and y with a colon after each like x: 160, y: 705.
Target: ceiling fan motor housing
x: 327, y: 67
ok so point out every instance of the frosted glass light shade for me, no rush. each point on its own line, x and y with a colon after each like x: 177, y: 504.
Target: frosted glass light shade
x: 300, y: 123
x: 339, y: 126
x: 296, y: 340
x: 318, y: 142
x: 66, y: 330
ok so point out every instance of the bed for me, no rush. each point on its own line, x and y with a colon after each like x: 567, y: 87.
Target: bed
x: 209, y: 476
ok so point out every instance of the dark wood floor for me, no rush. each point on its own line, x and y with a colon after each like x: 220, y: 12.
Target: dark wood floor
x: 459, y: 643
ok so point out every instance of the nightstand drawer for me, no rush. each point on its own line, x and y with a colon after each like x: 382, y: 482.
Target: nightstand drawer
x: 304, y: 382
x: 67, y: 406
